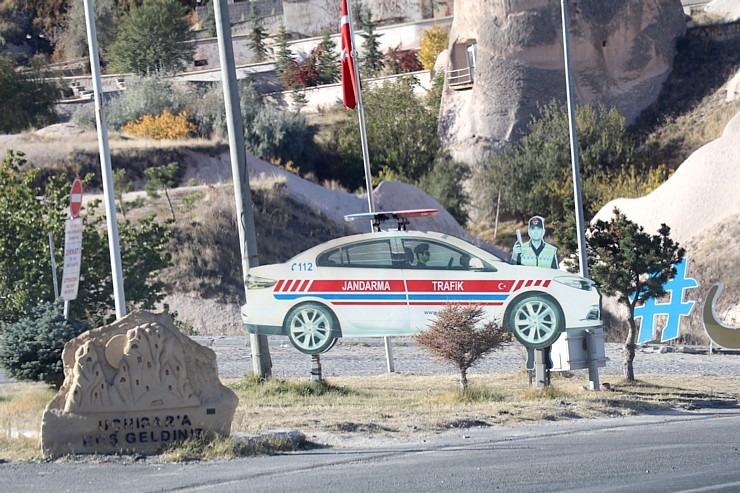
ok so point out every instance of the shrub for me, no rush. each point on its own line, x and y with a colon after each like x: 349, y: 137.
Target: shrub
x: 401, y: 133
x: 144, y: 96
x: 31, y: 348
x: 534, y: 174
x: 163, y: 126
x: 444, y: 182
x: 458, y: 337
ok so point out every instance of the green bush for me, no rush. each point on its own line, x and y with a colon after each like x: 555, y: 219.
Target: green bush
x: 31, y: 348
x: 144, y: 96
x: 401, y: 133
x: 444, y: 182
x: 270, y: 134
x: 534, y: 174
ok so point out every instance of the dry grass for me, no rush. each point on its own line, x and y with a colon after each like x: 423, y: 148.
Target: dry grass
x: 361, y: 411
x: 21, y: 406
x: 413, y: 407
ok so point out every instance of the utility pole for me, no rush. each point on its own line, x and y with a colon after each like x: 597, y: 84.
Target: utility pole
x: 105, y: 164
x: 261, y: 361
x: 593, y: 370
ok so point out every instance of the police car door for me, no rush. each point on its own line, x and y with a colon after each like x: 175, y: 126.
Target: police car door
x: 364, y: 282
x: 448, y: 275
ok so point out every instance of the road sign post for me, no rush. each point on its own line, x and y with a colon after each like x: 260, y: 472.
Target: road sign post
x: 72, y: 247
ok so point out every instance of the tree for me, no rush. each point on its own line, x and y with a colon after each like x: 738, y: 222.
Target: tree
x: 72, y: 42
x: 121, y: 185
x: 372, y: 58
x: 633, y: 265
x: 433, y: 42
x: 153, y: 39
x: 284, y: 59
x: 27, y: 97
x: 29, y: 212
x: 458, y: 336
x: 401, y: 133
x: 328, y: 60
x: 162, y: 178
x: 31, y: 348
x: 257, y: 36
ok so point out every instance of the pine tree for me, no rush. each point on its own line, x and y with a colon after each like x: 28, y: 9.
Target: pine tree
x: 257, y: 36
x: 285, y: 61
x: 372, y: 59
x: 633, y: 265
x: 328, y: 60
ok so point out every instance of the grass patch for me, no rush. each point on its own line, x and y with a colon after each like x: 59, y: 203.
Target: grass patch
x: 220, y: 448
x: 252, y: 386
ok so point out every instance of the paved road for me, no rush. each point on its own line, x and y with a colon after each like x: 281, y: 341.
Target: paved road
x: 683, y: 452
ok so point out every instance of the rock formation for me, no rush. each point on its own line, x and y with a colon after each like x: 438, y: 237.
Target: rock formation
x: 136, y: 385
x: 621, y: 53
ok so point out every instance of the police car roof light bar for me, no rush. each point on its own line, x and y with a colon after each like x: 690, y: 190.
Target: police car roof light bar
x: 402, y: 217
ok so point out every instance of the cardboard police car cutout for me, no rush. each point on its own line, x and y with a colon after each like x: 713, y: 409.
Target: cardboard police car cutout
x: 393, y: 283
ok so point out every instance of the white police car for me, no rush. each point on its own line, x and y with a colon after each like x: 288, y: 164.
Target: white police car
x: 392, y: 283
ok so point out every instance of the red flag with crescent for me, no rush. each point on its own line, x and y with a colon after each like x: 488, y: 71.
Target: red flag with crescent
x: 349, y: 85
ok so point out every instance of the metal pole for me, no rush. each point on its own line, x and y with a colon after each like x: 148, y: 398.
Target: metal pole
x: 498, y: 207
x: 105, y: 164
x: 593, y: 370
x: 53, y: 266
x: 261, y: 361
x: 361, y: 116
x: 366, y: 159
x: 582, y: 262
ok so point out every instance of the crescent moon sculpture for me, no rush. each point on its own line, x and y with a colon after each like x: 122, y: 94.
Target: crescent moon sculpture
x: 722, y: 335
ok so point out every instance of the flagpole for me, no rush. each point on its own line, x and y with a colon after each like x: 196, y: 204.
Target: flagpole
x: 361, y: 114
x: 365, y: 154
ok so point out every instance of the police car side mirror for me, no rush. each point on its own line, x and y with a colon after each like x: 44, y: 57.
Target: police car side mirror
x: 476, y: 264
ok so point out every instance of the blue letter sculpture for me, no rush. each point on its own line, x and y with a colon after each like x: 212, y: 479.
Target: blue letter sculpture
x: 674, y: 309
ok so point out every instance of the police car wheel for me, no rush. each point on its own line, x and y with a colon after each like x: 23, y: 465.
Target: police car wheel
x: 311, y: 328
x: 536, y: 321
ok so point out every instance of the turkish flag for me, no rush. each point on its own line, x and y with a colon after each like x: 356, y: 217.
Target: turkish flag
x: 349, y: 84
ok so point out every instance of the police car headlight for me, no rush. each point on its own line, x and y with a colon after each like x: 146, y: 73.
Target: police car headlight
x: 255, y: 282
x: 576, y: 282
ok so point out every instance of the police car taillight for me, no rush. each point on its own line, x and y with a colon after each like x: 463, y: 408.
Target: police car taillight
x: 255, y: 282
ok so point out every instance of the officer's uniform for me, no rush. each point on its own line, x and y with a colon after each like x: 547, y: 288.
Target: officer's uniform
x: 544, y: 256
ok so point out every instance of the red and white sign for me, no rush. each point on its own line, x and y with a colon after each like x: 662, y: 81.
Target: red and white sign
x: 72, y: 258
x: 75, y: 198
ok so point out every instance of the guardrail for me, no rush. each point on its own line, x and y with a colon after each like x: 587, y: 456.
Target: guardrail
x: 460, y: 77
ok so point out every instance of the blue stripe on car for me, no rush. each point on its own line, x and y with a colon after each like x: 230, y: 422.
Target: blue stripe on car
x: 458, y: 297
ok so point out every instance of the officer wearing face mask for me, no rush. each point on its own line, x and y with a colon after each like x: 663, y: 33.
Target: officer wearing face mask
x: 536, y: 251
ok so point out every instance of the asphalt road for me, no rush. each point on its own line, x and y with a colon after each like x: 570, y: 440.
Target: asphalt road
x: 682, y: 452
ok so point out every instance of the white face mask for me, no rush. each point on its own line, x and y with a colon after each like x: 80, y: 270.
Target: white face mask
x: 536, y: 234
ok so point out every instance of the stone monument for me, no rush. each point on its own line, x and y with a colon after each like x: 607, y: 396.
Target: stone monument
x: 135, y: 386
